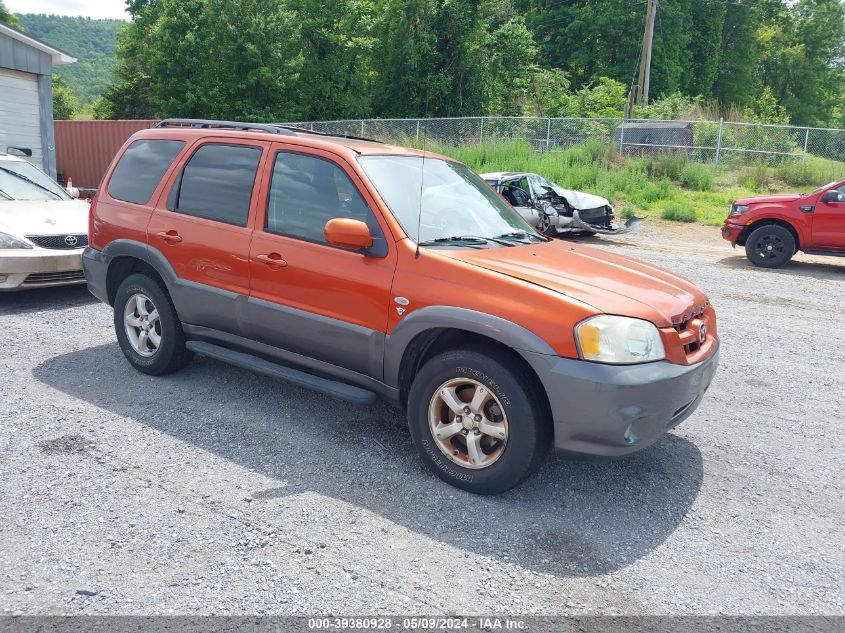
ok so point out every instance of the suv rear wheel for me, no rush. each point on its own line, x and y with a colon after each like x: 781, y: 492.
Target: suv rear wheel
x: 147, y: 327
x: 770, y: 246
x: 476, y: 423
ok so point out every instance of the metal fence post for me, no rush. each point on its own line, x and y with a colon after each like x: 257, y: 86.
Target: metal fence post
x: 362, y: 127
x: 719, y: 139
x: 481, y: 134
x: 622, y: 138
x: 806, y: 143
x: 548, y: 132
x: 418, y: 130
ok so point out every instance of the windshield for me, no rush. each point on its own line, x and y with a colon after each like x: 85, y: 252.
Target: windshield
x: 20, y: 180
x: 437, y: 199
x: 830, y: 184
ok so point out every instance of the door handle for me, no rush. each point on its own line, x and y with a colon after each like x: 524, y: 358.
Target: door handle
x: 273, y: 260
x: 171, y: 237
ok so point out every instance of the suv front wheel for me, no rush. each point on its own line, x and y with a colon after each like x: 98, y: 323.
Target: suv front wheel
x: 147, y: 327
x: 476, y: 422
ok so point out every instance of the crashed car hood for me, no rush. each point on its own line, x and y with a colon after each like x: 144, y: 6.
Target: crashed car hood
x: 783, y: 197
x: 612, y: 284
x: 580, y: 199
x: 43, y: 217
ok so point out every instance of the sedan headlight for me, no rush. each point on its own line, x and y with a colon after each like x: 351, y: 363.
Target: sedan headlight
x: 9, y: 241
x: 619, y: 340
x: 738, y: 209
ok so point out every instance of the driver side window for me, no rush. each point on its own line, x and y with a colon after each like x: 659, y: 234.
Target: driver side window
x: 517, y: 193
x: 306, y: 192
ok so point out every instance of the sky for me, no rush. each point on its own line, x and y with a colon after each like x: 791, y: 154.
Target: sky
x: 90, y: 8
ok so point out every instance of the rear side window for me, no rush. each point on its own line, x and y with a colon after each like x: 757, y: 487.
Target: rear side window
x: 217, y: 183
x: 140, y: 169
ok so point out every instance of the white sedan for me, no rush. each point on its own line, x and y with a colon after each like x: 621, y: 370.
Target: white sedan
x: 553, y: 210
x: 43, y: 229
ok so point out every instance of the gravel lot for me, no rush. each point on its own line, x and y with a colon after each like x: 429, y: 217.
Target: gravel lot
x: 218, y: 491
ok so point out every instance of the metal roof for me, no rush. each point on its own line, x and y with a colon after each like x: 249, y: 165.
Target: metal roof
x: 58, y: 55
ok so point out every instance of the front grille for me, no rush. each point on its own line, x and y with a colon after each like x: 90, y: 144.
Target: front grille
x: 60, y: 242
x: 68, y: 276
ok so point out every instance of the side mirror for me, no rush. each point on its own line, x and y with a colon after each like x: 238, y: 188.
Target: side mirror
x: 347, y: 233
x: 831, y: 196
x: 19, y: 151
x: 73, y: 192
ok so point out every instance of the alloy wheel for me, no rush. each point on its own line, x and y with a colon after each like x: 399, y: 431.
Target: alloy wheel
x: 468, y: 423
x: 143, y: 325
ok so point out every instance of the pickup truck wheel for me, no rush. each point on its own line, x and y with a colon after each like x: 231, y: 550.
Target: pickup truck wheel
x: 770, y: 246
x: 148, y: 330
x: 476, y: 423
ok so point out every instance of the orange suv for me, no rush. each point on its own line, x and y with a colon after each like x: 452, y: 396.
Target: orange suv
x: 360, y: 269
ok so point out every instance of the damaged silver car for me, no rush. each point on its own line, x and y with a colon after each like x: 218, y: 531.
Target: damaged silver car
x: 554, y: 210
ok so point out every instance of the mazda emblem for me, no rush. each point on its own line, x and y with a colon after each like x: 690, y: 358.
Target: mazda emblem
x: 702, y: 333
x: 71, y: 240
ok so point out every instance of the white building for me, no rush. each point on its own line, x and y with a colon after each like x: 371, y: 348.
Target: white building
x: 26, y: 95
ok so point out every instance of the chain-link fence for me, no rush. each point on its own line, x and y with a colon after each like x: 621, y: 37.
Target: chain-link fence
x: 712, y: 141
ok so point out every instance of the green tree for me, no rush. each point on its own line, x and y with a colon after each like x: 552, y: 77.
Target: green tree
x: 336, y: 43
x: 512, y: 54
x: 65, y: 105
x: 7, y: 17
x: 803, y: 59
x: 432, y: 60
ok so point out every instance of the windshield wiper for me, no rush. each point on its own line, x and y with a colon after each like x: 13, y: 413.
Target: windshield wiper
x: 6, y: 195
x: 516, y: 235
x: 30, y: 181
x: 466, y: 240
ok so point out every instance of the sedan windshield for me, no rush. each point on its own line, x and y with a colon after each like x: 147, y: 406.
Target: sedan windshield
x: 441, y: 202
x: 20, y: 180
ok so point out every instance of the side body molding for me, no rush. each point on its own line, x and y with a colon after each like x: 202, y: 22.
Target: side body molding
x: 435, y: 317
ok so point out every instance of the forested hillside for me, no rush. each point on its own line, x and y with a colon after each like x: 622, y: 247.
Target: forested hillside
x: 92, y: 42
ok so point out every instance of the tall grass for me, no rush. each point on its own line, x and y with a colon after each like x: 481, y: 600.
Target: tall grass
x: 648, y: 185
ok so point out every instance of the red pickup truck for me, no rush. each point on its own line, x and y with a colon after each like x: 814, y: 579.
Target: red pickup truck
x: 774, y: 228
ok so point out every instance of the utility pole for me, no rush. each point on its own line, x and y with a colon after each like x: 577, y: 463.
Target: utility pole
x: 645, y: 59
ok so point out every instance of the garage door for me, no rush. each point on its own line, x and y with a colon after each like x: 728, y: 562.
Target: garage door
x: 20, y: 121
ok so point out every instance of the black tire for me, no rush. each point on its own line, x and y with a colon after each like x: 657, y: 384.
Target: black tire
x: 770, y: 246
x: 529, y: 426
x: 171, y: 354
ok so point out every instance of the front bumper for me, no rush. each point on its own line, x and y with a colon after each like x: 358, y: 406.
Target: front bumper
x: 611, y: 410
x: 39, y: 268
x: 577, y: 223
x: 731, y: 232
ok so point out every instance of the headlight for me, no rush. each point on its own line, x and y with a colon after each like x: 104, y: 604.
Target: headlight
x: 8, y: 241
x: 738, y: 209
x: 619, y: 340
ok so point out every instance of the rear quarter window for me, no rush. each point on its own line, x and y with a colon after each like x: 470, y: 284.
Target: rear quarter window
x: 140, y: 169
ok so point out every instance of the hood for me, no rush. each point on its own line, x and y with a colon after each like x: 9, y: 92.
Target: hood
x: 579, y: 199
x: 782, y: 197
x: 610, y: 283
x: 43, y: 217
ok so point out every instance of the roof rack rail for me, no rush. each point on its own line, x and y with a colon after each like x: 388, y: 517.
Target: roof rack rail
x: 211, y: 124
x: 305, y: 130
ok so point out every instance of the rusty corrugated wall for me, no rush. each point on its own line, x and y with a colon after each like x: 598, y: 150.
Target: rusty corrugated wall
x: 84, y: 149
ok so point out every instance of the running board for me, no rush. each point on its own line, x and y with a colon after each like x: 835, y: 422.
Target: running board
x: 340, y: 390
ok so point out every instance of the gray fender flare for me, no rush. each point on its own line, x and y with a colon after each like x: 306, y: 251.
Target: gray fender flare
x: 434, y: 317
x: 144, y: 252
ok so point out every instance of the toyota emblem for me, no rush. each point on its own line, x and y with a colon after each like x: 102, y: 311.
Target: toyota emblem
x: 71, y: 240
x: 702, y: 333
